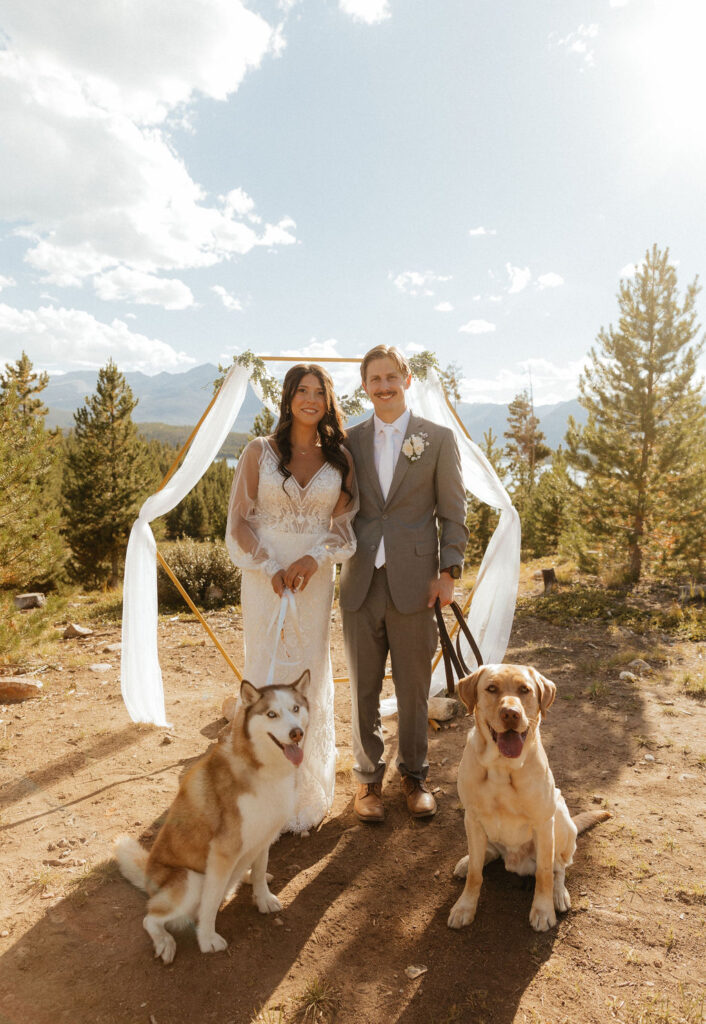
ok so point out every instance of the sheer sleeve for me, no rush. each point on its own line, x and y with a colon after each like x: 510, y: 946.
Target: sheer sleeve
x: 244, y: 545
x: 339, y: 543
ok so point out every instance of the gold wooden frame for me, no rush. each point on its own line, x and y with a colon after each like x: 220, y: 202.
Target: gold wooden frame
x: 174, y: 466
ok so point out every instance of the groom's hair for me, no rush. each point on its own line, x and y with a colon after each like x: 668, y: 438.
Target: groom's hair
x: 385, y: 352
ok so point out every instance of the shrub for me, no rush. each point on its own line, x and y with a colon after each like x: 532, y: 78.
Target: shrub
x: 204, y: 570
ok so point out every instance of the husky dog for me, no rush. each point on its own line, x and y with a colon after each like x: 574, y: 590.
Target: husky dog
x: 231, y: 806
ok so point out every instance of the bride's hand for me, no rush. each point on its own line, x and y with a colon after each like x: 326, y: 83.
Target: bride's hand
x: 278, y: 583
x: 300, y: 572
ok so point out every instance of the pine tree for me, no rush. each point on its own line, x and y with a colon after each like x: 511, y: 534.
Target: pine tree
x: 451, y: 378
x: 525, y: 449
x: 524, y: 452
x: 108, y: 473
x: 25, y: 386
x: 552, y: 513
x: 31, y: 549
x: 481, y: 519
x: 642, y: 448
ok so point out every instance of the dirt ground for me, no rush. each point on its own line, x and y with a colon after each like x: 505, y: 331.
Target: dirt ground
x: 361, y: 903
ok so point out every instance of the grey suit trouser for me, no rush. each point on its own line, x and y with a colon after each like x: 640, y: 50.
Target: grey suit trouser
x: 368, y: 634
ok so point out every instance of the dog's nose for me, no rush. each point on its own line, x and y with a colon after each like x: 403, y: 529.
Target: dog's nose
x: 295, y: 735
x: 510, y: 717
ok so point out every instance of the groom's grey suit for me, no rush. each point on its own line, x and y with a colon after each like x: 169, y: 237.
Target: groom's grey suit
x: 422, y: 521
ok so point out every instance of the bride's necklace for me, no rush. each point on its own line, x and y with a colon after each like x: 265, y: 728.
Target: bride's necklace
x: 308, y: 451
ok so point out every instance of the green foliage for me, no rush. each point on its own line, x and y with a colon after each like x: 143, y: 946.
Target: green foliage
x: 31, y: 550
x: 108, y: 474
x: 198, y: 566
x: 421, y: 362
x: 25, y: 634
x: 581, y: 602
x: 451, y: 378
x: 551, y: 515
x: 525, y: 449
x: 174, y: 437
x: 481, y: 519
x: 643, y: 448
x: 204, y: 510
x: 270, y: 387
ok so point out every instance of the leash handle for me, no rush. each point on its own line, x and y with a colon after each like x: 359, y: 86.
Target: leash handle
x: 453, y: 659
x: 287, y: 603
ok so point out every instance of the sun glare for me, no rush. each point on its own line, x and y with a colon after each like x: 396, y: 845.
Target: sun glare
x: 670, y: 53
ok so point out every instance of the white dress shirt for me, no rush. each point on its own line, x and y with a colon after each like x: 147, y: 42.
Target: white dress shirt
x: 398, y: 428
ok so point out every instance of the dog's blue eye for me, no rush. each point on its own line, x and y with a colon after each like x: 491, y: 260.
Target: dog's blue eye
x: 271, y: 714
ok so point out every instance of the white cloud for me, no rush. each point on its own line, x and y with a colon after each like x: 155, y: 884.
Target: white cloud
x: 630, y: 269
x: 142, y: 288
x: 444, y: 307
x: 477, y: 327
x: 73, y: 339
x: 418, y: 282
x: 94, y: 179
x: 551, y: 383
x: 578, y: 43
x: 550, y: 280
x: 7, y: 282
x: 520, y: 277
x: 412, y: 348
x: 228, y: 300
x: 619, y: 3
x: 138, y: 58
x: 474, y: 232
x: 314, y: 350
x: 372, y: 12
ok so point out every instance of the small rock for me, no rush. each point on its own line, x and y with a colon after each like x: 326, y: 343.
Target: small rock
x: 649, y: 757
x: 278, y: 921
x: 166, y: 740
x: 305, y: 835
x: 15, y: 688
x: 4, y: 933
x: 442, y: 708
x: 415, y: 971
x: 597, y: 798
x: 100, y: 666
x: 23, y: 601
x: 112, y: 648
x: 74, y: 630
x: 640, y: 666
x: 630, y: 676
x: 685, y: 776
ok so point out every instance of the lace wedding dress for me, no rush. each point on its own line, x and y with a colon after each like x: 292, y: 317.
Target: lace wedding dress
x: 271, y: 523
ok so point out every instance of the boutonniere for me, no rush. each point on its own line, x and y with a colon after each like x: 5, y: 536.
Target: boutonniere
x: 414, y: 446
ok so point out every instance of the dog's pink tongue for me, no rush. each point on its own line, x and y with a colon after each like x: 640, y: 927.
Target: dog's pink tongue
x: 510, y: 743
x: 293, y: 753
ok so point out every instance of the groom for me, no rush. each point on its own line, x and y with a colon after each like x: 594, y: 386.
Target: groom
x: 411, y: 539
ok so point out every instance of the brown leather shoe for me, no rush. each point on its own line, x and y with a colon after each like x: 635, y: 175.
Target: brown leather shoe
x: 368, y: 802
x: 420, y: 802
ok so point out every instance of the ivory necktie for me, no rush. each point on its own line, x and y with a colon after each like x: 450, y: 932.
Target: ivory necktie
x: 385, y: 471
x: 387, y: 459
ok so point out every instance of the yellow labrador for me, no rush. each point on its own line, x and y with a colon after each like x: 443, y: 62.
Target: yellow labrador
x: 513, y: 809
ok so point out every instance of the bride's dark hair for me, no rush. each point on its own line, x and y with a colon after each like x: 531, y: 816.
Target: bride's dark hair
x: 330, y: 427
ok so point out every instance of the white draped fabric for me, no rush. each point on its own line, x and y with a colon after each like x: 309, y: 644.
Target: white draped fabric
x: 492, y: 608
x: 140, y: 673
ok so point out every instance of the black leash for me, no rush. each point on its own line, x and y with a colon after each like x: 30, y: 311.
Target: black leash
x: 453, y: 659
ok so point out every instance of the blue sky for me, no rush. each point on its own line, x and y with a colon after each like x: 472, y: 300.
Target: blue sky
x: 184, y: 180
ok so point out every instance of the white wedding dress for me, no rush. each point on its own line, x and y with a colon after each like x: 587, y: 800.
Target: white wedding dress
x: 272, y: 521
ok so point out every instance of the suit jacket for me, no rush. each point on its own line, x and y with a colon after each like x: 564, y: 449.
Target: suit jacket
x: 422, y: 519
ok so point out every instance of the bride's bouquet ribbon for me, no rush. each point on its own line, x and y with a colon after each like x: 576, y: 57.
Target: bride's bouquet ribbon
x: 287, y: 606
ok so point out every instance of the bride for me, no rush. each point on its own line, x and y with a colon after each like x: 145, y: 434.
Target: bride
x: 290, y: 517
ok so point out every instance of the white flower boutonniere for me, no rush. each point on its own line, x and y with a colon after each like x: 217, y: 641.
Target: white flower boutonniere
x: 414, y: 446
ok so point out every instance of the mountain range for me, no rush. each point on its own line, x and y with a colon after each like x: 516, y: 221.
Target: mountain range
x: 179, y: 399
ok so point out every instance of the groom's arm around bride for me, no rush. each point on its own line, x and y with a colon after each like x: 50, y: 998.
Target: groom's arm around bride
x: 411, y: 537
